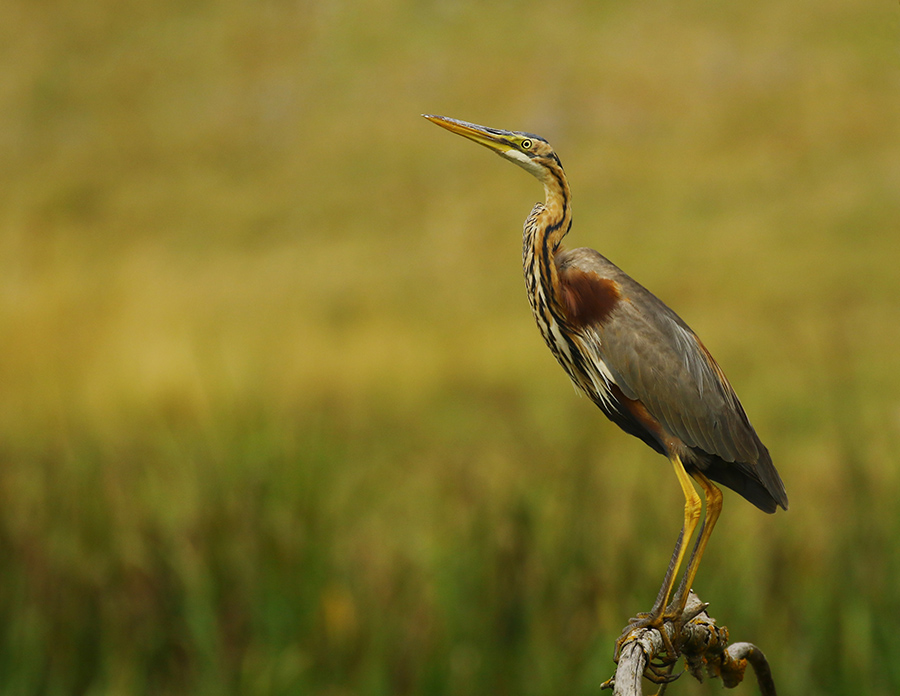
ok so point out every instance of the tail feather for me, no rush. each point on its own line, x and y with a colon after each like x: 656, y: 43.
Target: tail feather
x: 758, y: 483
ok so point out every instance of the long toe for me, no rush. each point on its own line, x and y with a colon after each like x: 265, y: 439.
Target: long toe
x: 653, y: 619
x: 661, y: 674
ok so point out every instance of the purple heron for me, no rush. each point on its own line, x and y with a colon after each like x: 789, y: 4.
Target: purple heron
x: 637, y: 361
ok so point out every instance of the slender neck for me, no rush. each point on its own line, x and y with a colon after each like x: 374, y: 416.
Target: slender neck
x: 544, y: 230
x: 557, y: 215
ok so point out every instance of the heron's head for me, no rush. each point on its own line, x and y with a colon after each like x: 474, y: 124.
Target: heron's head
x: 529, y: 151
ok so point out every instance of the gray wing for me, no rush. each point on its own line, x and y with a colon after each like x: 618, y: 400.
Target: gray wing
x: 655, y: 358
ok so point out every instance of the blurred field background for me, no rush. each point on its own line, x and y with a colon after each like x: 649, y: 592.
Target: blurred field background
x: 275, y: 418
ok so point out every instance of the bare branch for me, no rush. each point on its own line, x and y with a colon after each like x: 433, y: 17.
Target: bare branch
x: 739, y: 652
x: 704, y: 646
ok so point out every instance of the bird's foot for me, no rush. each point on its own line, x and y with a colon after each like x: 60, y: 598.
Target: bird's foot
x: 659, y: 670
x: 654, y: 673
x: 661, y: 674
x: 655, y: 619
x: 674, y: 614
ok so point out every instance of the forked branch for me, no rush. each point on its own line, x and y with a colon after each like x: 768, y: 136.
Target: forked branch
x: 705, y: 649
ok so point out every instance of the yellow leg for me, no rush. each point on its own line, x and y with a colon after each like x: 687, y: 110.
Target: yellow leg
x: 692, y: 506
x: 713, y: 509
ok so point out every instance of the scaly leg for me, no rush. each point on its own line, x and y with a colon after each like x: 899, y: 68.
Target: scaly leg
x: 713, y: 510
x: 654, y: 618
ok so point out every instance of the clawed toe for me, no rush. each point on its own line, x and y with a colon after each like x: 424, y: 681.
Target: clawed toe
x: 661, y: 674
x: 657, y: 620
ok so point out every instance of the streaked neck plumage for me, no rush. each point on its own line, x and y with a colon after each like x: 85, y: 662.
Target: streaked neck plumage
x: 544, y: 230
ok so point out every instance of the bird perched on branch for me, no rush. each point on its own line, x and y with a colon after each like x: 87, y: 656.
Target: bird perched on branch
x: 636, y: 360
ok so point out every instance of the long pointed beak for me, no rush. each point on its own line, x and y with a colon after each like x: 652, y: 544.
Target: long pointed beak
x: 491, y: 138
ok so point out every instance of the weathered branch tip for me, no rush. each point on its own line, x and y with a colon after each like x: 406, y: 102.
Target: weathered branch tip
x: 704, y: 646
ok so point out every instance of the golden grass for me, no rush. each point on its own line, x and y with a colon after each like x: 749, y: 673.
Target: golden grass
x: 274, y: 416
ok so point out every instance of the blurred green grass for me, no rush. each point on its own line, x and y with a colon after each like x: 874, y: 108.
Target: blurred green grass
x: 274, y: 417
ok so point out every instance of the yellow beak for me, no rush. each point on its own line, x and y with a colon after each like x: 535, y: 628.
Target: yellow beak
x: 492, y: 138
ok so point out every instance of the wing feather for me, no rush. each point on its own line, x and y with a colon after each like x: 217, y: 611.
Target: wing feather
x: 655, y: 358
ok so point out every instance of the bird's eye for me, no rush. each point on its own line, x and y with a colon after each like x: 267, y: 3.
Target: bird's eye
x: 526, y: 144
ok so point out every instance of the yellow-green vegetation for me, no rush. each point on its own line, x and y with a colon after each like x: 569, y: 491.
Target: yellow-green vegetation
x: 274, y: 417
